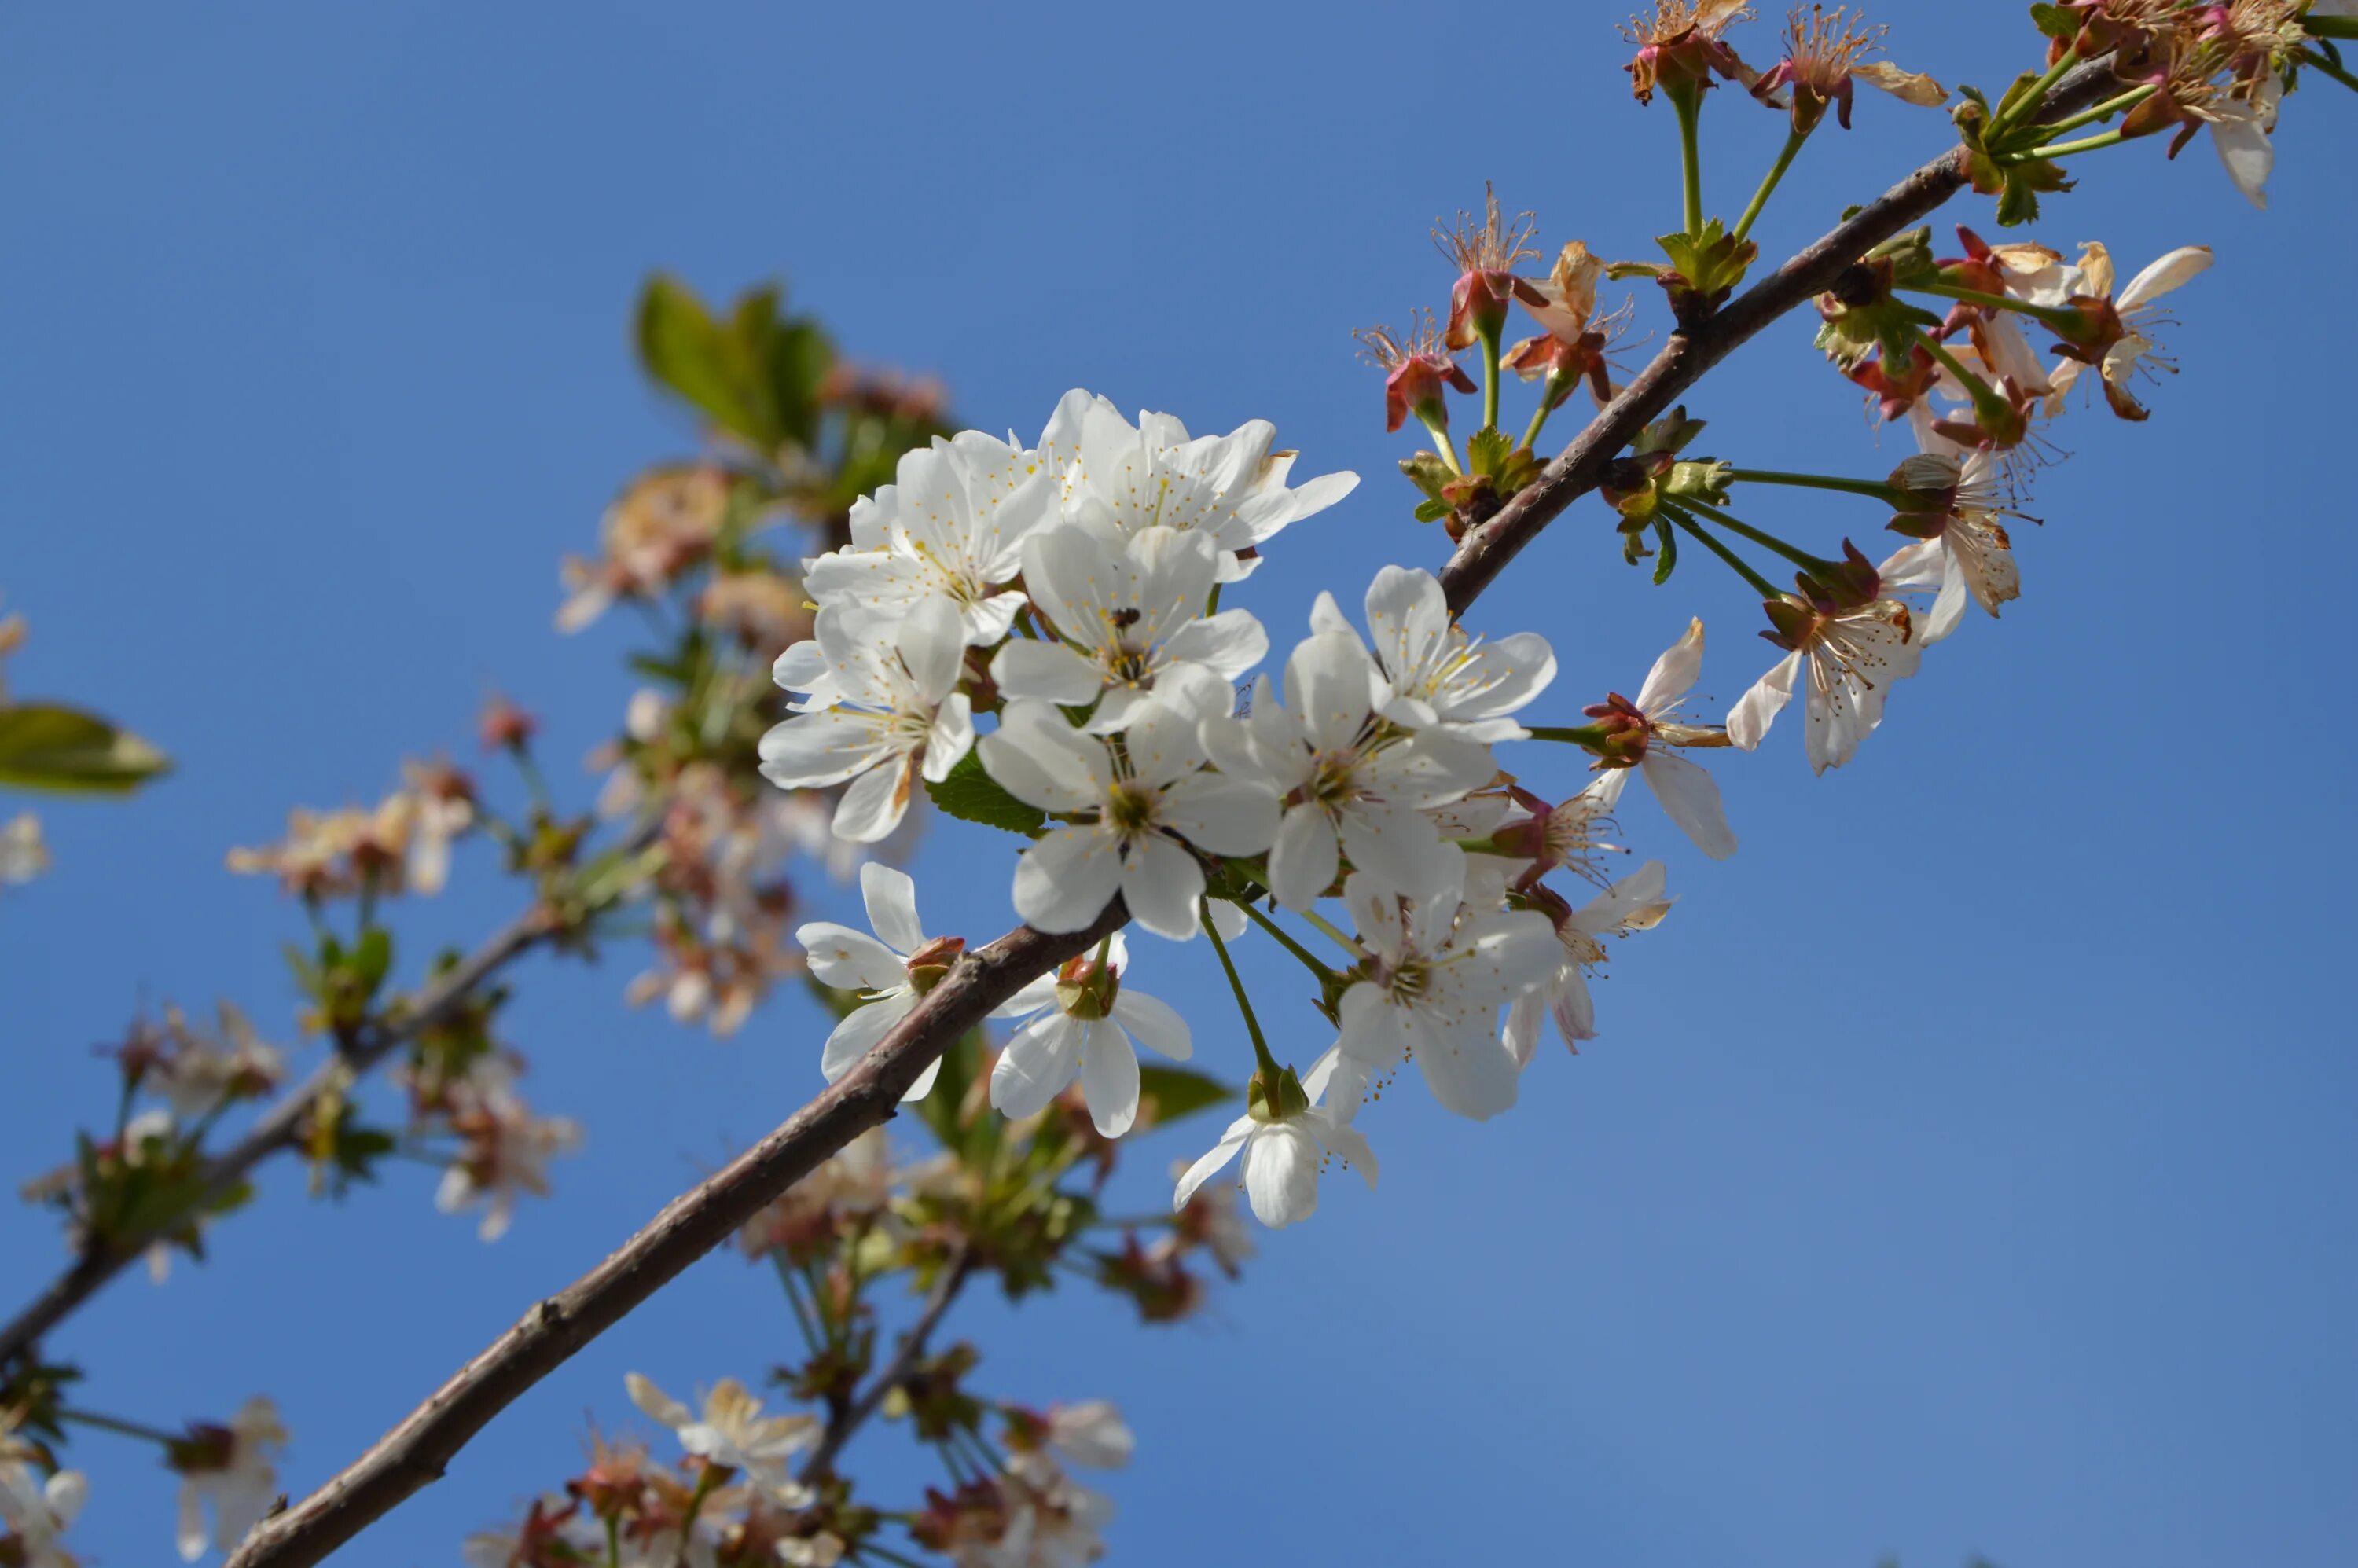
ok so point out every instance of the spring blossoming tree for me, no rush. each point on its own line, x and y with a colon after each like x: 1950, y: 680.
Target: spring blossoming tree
x: 878, y: 619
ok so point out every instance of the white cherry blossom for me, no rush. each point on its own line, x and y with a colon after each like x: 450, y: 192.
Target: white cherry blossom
x: 1283, y: 1157
x: 1652, y: 728
x: 2243, y: 131
x: 36, y: 1511
x: 1636, y: 902
x: 1437, y: 974
x: 2135, y: 350
x: 892, y: 970
x: 1433, y: 671
x: 942, y: 529
x: 235, y: 1475
x: 1084, y: 1017
x: 1970, y: 556
x: 1139, y: 810
x: 1129, y: 617
x: 732, y: 1428
x: 1845, y: 655
x: 1354, y: 784
x: 899, y: 715
x: 1152, y: 474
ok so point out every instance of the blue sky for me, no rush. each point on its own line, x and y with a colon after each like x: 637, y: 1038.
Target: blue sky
x: 1965, y: 1166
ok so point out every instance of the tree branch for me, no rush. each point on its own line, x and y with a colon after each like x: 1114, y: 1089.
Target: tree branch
x: 699, y: 1219
x: 415, y: 1452
x: 280, y: 1128
x: 1485, y: 552
x: 840, y: 1431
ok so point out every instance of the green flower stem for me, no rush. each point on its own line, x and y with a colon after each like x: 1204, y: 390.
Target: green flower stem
x: 1981, y: 390
x: 2331, y: 27
x: 1876, y: 488
x: 1540, y: 417
x: 122, y: 1428
x: 2033, y: 100
x: 1687, y: 102
x: 2315, y: 61
x: 1270, y: 1071
x: 1440, y: 433
x: 1339, y: 940
x: 1769, y: 182
x: 2104, y: 111
x: 1489, y: 338
x: 2055, y: 316
x: 2084, y: 144
x: 1588, y: 735
x: 1761, y: 536
x: 1287, y: 942
x: 1711, y: 542
x: 794, y: 1299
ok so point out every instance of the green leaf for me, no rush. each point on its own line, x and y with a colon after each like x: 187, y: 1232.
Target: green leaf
x: 970, y: 795
x: 373, y: 957
x: 1178, y: 1092
x: 1668, y: 561
x: 710, y: 364
x: 2054, y: 21
x: 46, y: 746
x: 1433, y: 511
x: 1487, y: 451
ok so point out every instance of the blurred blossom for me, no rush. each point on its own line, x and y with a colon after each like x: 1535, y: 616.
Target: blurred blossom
x: 661, y: 527
x: 24, y: 855
x: 505, y: 1150
x: 230, y: 1470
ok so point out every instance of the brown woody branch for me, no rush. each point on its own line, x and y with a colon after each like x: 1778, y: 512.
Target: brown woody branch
x: 415, y: 1451
x: 699, y: 1219
x: 282, y: 1127
x: 1484, y: 551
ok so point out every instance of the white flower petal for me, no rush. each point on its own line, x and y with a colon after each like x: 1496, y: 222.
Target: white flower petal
x: 1063, y: 881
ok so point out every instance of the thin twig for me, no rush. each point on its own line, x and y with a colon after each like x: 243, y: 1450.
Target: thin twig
x: 1484, y: 551
x: 415, y: 1452
x: 840, y: 1430
x: 282, y: 1127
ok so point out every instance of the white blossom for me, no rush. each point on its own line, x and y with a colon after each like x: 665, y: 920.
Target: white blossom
x: 237, y: 1478
x: 1845, y: 655
x: 946, y: 528
x: 1129, y: 478
x: 892, y: 970
x: 1282, y: 1157
x: 1129, y: 621
x: 1433, y: 673
x: 732, y: 1428
x: 1636, y: 902
x: 1354, y: 784
x: 1084, y: 1017
x: 1140, y: 808
x: 1091, y: 1433
x: 24, y: 855
x: 1688, y: 795
x: 1437, y: 973
x: 37, y: 1511
x: 1971, y: 555
x: 899, y: 714
x: 2140, y: 316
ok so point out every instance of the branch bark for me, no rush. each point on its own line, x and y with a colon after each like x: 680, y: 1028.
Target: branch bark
x: 1484, y: 551
x: 280, y: 1128
x: 699, y: 1219
x: 415, y: 1451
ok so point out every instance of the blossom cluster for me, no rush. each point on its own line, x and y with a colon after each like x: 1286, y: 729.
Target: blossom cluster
x: 1034, y: 631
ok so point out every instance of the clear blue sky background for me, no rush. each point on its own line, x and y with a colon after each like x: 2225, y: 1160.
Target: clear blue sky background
x: 1965, y: 1166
